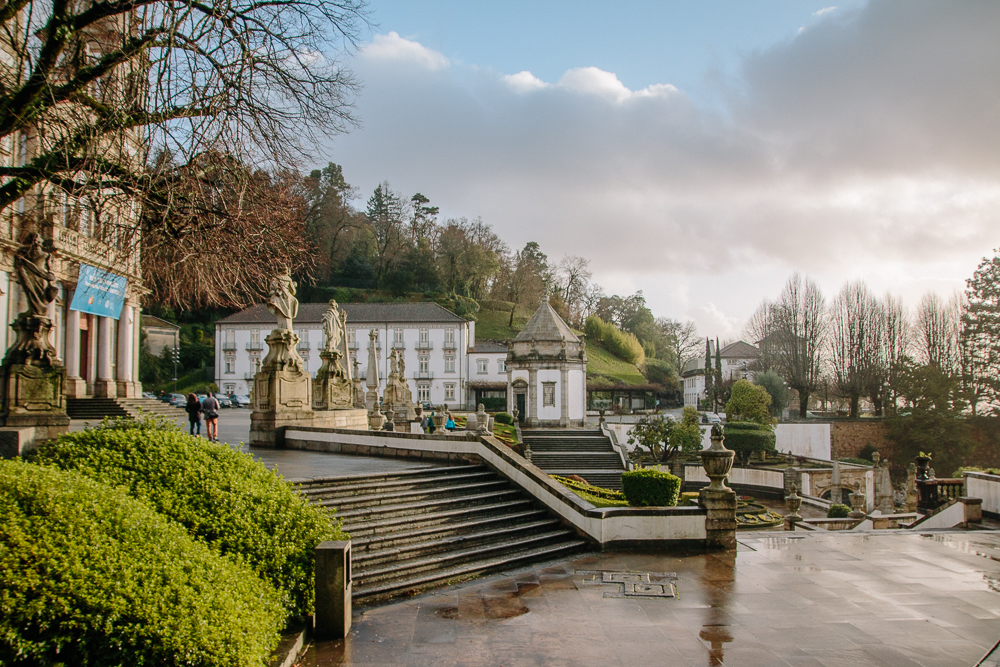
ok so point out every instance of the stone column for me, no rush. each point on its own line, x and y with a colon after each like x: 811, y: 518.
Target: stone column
x: 532, y: 407
x: 564, y: 397
x: 76, y: 386
x: 717, y: 498
x: 123, y: 369
x: 104, y: 386
x: 136, y: 341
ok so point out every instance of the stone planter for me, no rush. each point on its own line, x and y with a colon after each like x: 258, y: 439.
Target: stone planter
x: 717, y: 461
x: 923, y: 468
x: 793, y: 502
x: 439, y: 419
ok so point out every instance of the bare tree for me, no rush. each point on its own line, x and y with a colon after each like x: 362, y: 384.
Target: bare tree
x: 854, y: 331
x: 800, y: 330
x: 937, y: 330
x: 572, y: 280
x: 761, y: 330
x: 682, y: 339
x: 893, y: 345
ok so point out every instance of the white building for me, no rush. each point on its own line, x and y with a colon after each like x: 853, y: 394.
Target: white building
x: 737, y: 361
x: 444, y: 363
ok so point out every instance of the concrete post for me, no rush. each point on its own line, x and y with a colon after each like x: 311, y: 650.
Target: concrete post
x: 973, y: 509
x: 333, y: 590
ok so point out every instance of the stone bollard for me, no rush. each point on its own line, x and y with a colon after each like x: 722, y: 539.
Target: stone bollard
x: 717, y: 498
x: 793, y: 502
x: 973, y: 509
x: 333, y: 590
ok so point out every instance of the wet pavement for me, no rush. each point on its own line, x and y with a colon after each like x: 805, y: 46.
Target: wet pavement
x: 806, y: 601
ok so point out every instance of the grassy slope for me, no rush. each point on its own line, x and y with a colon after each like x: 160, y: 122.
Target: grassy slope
x: 492, y: 324
x: 602, y: 365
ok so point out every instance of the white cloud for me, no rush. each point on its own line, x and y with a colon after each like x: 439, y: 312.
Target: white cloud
x: 392, y: 47
x: 524, y: 82
x: 825, y: 10
x: 865, y: 147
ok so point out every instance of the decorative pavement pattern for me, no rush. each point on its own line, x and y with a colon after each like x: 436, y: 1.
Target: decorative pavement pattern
x: 633, y: 584
x: 812, y: 600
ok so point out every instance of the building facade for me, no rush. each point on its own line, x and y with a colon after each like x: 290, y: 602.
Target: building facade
x: 737, y: 363
x: 443, y: 363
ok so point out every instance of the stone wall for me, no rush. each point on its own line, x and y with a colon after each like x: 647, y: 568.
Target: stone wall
x: 849, y: 437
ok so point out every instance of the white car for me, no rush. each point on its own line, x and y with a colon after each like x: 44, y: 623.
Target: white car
x: 711, y: 418
x: 240, y: 401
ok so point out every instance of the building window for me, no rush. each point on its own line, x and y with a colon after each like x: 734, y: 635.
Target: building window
x: 425, y: 336
x: 304, y: 337
x: 350, y: 336
x: 424, y: 392
x: 449, y: 336
x: 397, y: 335
x: 255, y: 337
x: 229, y: 388
x: 449, y: 392
x: 423, y: 361
x: 449, y: 363
x: 501, y: 365
x: 230, y: 365
x: 548, y: 394
x: 482, y: 365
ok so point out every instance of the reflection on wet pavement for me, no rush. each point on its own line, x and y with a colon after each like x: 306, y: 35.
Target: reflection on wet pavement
x: 824, y: 600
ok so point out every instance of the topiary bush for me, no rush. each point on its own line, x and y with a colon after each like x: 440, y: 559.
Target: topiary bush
x: 749, y: 438
x: 838, y: 511
x: 220, y: 495
x: 91, y: 576
x: 648, y: 487
x: 503, y: 418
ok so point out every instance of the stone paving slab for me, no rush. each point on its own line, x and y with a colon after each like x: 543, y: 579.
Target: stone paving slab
x: 824, y: 600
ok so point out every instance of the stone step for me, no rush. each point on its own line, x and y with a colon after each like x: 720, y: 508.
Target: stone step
x: 316, y: 494
x: 386, y: 528
x: 416, y: 582
x: 368, y: 560
x: 417, y: 473
x: 606, y: 479
x: 411, y: 509
x: 348, y: 503
x: 571, y: 447
x: 415, y: 566
x: 409, y: 534
x: 568, y: 460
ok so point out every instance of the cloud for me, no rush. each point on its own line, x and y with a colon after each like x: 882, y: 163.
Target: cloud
x: 865, y: 146
x: 825, y: 10
x: 392, y: 47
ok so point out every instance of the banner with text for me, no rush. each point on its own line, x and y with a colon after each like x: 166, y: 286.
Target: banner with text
x: 99, y: 292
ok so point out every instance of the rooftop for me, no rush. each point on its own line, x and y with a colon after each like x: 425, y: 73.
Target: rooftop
x: 781, y: 600
x: 357, y: 313
x: 487, y: 347
x: 546, y: 325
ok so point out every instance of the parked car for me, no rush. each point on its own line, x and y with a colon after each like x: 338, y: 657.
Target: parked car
x: 240, y: 401
x: 224, y: 401
x: 148, y: 394
x: 711, y: 418
x: 177, y: 400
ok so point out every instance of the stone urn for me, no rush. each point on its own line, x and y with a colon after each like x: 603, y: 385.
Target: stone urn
x: 923, y: 468
x: 717, y: 461
x: 793, y: 502
x: 439, y: 419
x: 857, y: 503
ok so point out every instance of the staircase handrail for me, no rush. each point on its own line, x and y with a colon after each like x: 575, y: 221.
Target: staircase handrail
x: 622, y: 454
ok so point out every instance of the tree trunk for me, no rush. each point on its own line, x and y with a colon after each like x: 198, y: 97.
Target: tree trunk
x: 855, y: 400
x: 803, y: 404
x: 510, y: 323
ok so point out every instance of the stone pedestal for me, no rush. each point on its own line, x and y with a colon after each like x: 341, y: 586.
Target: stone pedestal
x: 282, y: 390
x: 333, y: 590
x: 717, y: 498
x: 32, y: 399
x: 973, y: 509
x: 332, y: 390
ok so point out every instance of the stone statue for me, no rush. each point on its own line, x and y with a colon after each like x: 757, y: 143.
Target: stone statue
x: 33, y: 272
x: 281, y: 300
x: 334, y: 326
x: 394, y: 363
x: 401, y: 364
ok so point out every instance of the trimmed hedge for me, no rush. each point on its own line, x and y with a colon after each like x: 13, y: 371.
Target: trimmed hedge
x: 92, y: 576
x: 648, y: 487
x: 503, y: 418
x: 838, y: 511
x: 749, y: 438
x: 220, y: 495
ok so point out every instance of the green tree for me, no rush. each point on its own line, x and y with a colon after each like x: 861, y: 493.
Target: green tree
x: 749, y: 403
x: 981, y: 334
x: 776, y: 388
x: 707, y: 371
x: 664, y: 437
x: 386, y: 212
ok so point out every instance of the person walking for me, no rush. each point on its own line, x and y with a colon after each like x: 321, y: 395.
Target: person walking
x: 193, y: 408
x: 450, y: 423
x: 210, y: 406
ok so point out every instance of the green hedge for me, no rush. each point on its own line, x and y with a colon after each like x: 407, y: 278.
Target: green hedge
x: 621, y: 344
x: 838, y: 511
x: 92, y: 576
x: 749, y: 438
x: 503, y: 418
x: 650, y: 487
x: 220, y: 495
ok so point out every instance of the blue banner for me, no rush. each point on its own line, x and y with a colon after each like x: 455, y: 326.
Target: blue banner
x: 99, y: 292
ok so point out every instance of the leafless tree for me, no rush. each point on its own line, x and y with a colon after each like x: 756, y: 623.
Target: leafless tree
x: 800, y: 331
x: 893, y: 345
x: 854, y: 342
x: 937, y: 330
x: 572, y: 280
x: 760, y: 329
x: 682, y: 339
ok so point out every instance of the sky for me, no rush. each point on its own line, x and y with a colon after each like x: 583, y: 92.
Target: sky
x: 701, y: 152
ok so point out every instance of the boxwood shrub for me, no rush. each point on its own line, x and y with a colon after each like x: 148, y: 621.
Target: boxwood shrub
x: 92, y: 576
x: 649, y: 487
x: 503, y: 418
x: 838, y: 511
x: 749, y: 438
x: 220, y: 495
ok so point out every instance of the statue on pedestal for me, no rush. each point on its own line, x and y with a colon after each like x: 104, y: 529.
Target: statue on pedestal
x: 333, y: 387
x: 397, y: 392
x: 33, y: 326
x: 282, y: 342
x: 281, y: 300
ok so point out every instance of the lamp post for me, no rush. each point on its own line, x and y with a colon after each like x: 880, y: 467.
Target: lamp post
x: 176, y: 354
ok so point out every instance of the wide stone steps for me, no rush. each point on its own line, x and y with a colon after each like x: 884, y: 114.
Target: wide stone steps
x: 415, y: 529
x: 587, y: 453
x: 98, y: 408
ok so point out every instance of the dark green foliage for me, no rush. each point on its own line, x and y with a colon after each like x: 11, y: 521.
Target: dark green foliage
x: 776, y: 389
x: 648, y: 487
x: 621, y: 344
x: 856, y: 461
x: 838, y: 511
x: 598, y: 491
x: 503, y: 418
x: 866, y: 452
x: 91, y: 576
x: 749, y: 438
x: 221, y: 496
x: 661, y: 372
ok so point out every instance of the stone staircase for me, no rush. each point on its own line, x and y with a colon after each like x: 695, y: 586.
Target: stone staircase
x: 419, y: 528
x: 584, y: 452
x: 96, y: 409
